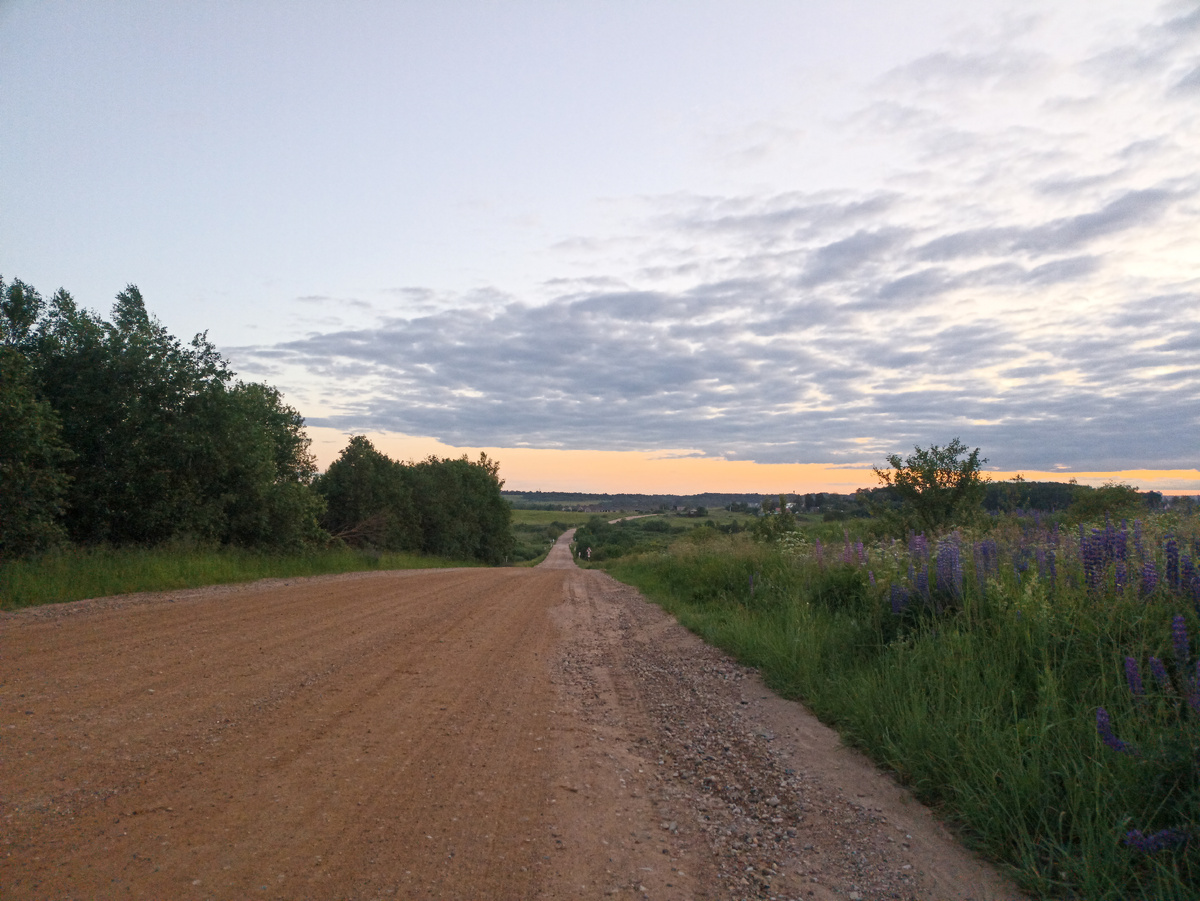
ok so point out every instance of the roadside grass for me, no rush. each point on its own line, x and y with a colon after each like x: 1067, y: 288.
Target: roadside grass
x: 986, y: 708
x: 78, y: 573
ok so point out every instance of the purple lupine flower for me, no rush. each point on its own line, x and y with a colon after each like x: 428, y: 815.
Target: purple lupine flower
x: 1157, y: 841
x: 1121, y: 543
x: 847, y: 552
x: 1092, y: 553
x: 1149, y: 577
x: 1134, y: 677
x: 1179, y: 638
x: 918, y: 547
x: 861, y: 553
x: 1159, y: 671
x: 1109, y: 540
x: 1194, y: 689
x: 949, y: 568
x: 1120, y: 577
x: 871, y: 576
x: 923, y: 582
x: 955, y: 567
x: 899, y: 598
x: 1173, y: 563
x: 1104, y: 730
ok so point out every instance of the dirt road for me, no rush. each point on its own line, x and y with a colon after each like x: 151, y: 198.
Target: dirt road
x: 482, y: 733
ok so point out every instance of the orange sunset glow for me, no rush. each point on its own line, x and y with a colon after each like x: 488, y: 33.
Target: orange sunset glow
x: 685, y: 472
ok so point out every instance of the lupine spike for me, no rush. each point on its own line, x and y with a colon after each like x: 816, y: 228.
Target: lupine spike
x: 1134, y: 677
x: 1104, y: 730
x: 1157, y: 841
x: 1173, y: 563
x: 1149, y: 577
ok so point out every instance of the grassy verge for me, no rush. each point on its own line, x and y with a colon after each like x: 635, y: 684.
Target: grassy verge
x: 75, y: 574
x: 979, y: 680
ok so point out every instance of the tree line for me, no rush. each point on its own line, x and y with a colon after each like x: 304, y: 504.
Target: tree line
x: 114, y: 431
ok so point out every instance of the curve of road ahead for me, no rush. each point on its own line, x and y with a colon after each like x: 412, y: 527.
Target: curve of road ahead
x: 473, y: 733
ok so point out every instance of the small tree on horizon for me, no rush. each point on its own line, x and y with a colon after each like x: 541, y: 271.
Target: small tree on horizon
x: 937, y: 486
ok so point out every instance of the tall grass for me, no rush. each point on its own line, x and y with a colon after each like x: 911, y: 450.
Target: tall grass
x: 71, y: 575
x: 979, y: 682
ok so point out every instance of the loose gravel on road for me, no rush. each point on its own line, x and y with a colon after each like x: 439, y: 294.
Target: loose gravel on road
x: 506, y: 733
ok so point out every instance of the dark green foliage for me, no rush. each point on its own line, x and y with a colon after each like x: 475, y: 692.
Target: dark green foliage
x: 163, y: 444
x: 1018, y: 494
x: 1111, y: 499
x: 32, y: 482
x: 772, y: 525
x: 937, y: 487
x: 533, y: 539
x: 840, y: 587
x: 448, y: 508
x: 460, y: 509
x: 369, y: 499
x: 118, y: 433
x: 20, y: 307
x: 610, y: 540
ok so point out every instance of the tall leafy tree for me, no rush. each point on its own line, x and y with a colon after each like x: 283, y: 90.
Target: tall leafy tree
x: 461, y: 509
x: 32, y: 455
x: 20, y: 307
x: 369, y: 499
x: 165, y: 442
x: 126, y: 391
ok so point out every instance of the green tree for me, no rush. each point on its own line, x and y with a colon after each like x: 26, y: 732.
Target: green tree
x: 128, y: 394
x: 461, y: 509
x: 20, y: 308
x: 252, y: 469
x: 165, y: 443
x: 32, y: 482
x: 369, y: 499
x: 1110, y: 499
x: 937, y: 486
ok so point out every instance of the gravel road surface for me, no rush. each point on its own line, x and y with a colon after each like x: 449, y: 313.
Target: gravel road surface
x: 472, y: 733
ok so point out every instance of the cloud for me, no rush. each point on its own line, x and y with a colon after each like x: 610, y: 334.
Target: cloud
x: 1006, y: 68
x: 1007, y: 281
x: 1189, y: 84
x: 1130, y: 210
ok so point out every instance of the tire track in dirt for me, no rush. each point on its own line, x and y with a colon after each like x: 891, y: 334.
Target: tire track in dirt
x: 506, y: 733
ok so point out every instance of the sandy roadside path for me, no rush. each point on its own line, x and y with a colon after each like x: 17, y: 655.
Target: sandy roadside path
x: 506, y: 733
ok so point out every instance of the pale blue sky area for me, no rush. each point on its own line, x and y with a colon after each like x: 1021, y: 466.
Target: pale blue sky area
x: 778, y: 231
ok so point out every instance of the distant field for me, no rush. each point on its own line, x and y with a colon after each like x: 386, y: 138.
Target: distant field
x: 546, y: 517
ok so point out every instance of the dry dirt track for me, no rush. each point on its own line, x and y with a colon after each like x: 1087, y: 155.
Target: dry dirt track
x: 505, y: 733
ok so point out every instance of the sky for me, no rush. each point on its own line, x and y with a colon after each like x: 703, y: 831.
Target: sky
x: 643, y: 246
